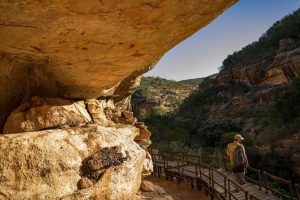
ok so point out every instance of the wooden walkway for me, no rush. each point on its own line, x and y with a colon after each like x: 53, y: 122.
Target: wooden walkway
x: 218, y: 183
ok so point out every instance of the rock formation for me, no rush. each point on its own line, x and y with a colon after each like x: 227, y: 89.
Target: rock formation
x: 277, y: 70
x: 266, y: 79
x: 68, y: 69
x: 151, y: 191
x: 90, y: 49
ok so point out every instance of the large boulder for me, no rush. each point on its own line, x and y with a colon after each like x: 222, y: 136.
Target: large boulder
x: 50, y: 164
x: 46, y: 113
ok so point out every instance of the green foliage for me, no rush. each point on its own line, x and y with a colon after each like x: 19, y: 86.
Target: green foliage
x: 149, y: 85
x: 268, y: 43
x: 190, y: 127
x: 158, y: 112
x: 287, y: 106
x: 195, y: 106
x: 226, y: 138
x: 284, y: 117
x: 212, y: 131
x: 164, y: 128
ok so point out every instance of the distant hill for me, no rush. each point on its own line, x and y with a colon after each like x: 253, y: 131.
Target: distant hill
x: 161, y: 96
x: 197, y: 80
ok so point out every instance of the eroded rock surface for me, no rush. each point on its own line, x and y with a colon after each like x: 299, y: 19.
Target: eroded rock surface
x: 88, y: 49
x: 67, y: 152
x: 47, y: 164
x: 45, y: 113
x: 151, y: 191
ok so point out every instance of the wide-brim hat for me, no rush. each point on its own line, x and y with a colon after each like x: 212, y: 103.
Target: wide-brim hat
x: 238, y: 136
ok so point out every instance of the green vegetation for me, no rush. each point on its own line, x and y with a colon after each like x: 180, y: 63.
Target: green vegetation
x: 268, y: 43
x: 284, y: 117
x: 149, y: 84
x: 195, y: 106
x: 192, y: 130
x: 189, y: 128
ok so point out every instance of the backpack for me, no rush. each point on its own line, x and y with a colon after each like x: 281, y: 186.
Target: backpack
x: 239, y: 159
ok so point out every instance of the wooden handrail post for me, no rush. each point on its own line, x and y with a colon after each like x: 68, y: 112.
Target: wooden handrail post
x: 200, y: 171
x: 229, y: 191
x: 291, y: 191
x: 297, y: 190
x: 259, y: 179
x: 209, y: 175
x: 225, y: 186
x: 196, y: 170
x: 265, y: 181
x: 246, y: 195
x: 212, y: 178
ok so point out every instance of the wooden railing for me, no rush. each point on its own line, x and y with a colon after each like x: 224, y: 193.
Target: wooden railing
x: 257, y: 173
x: 232, y: 194
x: 222, y: 186
x: 269, y: 178
x: 173, y: 165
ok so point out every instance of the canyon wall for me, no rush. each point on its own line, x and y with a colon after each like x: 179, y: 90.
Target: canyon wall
x: 68, y: 69
x: 266, y: 80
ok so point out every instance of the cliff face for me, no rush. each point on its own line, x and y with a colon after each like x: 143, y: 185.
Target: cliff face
x: 68, y: 69
x: 266, y: 80
x: 278, y: 70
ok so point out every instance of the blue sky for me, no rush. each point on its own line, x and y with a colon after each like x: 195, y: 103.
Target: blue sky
x: 201, y: 54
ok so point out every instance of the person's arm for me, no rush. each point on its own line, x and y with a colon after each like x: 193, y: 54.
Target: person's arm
x: 227, y: 150
x: 245, y: 155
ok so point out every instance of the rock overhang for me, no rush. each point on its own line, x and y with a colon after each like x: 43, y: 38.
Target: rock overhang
x: 89, y: 49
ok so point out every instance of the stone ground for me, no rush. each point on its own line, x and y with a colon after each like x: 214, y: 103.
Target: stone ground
x: 175, y: 191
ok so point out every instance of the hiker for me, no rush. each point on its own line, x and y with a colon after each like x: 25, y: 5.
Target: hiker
x: 238, y: 158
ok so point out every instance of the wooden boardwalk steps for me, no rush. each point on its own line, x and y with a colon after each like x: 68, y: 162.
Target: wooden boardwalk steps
x: 218, y: 183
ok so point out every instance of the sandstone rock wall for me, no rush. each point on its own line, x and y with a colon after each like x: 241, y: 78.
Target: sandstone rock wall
x: 277, y: 70
x: 89, y: 49
x: 266, y: 79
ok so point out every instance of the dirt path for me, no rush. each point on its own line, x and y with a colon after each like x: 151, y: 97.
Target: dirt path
x: 180, y: 191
